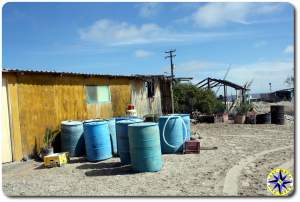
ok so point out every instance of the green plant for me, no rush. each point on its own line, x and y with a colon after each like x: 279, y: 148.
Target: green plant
x: 220, y: 107
x: 189, y: 98
x: 49, y: 137
x: 243, y: 108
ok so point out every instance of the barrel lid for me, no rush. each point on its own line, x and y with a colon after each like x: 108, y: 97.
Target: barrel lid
x: 92, y: 120
x: 167, y: 116
x: 143, y: 124
x: 136, y: 120
x: 71, y: 123
x: 93, y: 123
x: 179, y: 114
x: 129, y: 121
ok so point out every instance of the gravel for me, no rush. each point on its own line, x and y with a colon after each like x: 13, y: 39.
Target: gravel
x: 182, y: 175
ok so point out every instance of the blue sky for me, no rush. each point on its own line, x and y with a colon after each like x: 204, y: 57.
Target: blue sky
x: 255, y: 39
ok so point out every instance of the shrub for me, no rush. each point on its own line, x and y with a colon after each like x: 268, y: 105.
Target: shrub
x: 188, y: 98
x: 244, y: 108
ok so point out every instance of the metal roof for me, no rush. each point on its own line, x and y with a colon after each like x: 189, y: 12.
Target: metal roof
x: 15, y: 70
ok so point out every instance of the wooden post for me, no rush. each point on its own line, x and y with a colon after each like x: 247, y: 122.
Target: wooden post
x: 225, y: 96
x: 172, y: 98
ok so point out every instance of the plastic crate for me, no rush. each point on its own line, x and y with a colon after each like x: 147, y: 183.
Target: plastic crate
x: 192, y: 147
x: 56, y: 159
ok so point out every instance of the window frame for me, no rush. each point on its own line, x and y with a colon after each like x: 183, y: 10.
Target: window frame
x: 89, y: 101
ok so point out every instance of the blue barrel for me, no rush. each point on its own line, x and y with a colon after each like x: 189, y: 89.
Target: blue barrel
x: 145, y: 149
x: 122, y: 139
x: 121, y: 118
x: 113, y: 137
x: 126, y: 118
x: 172, y: 134
x: 92, y: 120
x: 187, y: 121
x: 72, y: 139
x: 97, y: 140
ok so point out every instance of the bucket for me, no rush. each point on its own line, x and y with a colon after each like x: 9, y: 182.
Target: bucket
x: 145, y: 149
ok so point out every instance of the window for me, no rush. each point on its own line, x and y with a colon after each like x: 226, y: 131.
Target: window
x: 97, y: 94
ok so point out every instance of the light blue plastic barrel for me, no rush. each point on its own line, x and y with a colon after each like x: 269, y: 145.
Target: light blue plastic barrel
x: 72, y: 139
x: 113, y: 137
x: 187, y: 120
x: 97, y: 140
x: 172, y: 134
x: 122, y: 139
x: 145, y: 149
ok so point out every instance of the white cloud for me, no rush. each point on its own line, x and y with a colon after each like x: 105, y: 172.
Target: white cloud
x: 148, y: 10
x: 220, y: 14
x: 122, y: 33
x: 107, y: 31
x: 142, y: 53
x: 263, y: 73
x: 289, y: 49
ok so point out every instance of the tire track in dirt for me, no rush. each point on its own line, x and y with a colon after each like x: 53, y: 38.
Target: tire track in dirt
x: 231, y: 182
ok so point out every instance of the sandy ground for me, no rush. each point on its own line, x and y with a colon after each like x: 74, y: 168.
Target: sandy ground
x: 244, y: 156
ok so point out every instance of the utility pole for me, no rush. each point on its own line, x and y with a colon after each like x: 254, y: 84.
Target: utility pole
x: 270, y: 85
x: 171, y: 56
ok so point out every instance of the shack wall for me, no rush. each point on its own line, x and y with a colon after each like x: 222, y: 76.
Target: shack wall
x: 37, y: 101
x: 144, y: 104
x: 40, y: 101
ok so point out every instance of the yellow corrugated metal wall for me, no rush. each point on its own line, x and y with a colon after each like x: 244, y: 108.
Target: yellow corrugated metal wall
x: 46, y: 100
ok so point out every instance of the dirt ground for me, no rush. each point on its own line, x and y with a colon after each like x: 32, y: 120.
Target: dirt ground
x: 244, y: 156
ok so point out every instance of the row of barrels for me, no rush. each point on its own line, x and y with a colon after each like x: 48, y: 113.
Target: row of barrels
x: 136, y: 142
x: 276, y: 116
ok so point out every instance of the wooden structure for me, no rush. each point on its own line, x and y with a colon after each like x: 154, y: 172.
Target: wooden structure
x: 212, y: 83
x: 36, y: 100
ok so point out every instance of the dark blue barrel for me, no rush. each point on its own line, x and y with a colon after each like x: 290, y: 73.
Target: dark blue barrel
x: 187, y: 121
x: 97, y: 140
x: 72, y: 139
x: 113, y: 137
x: 122, y: 139
x: 126, y: 118
x: 144, y: 144
x: 172, y: 135
x: 121, y: 118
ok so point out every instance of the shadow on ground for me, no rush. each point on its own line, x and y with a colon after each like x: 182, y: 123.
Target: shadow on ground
x: 106, y: 169
x: 78, y: 160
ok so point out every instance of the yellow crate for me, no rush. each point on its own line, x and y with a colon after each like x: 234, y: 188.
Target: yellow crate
x: 56, y: 159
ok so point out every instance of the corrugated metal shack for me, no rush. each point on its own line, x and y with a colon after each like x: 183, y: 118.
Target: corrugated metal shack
x: 35, y: 100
